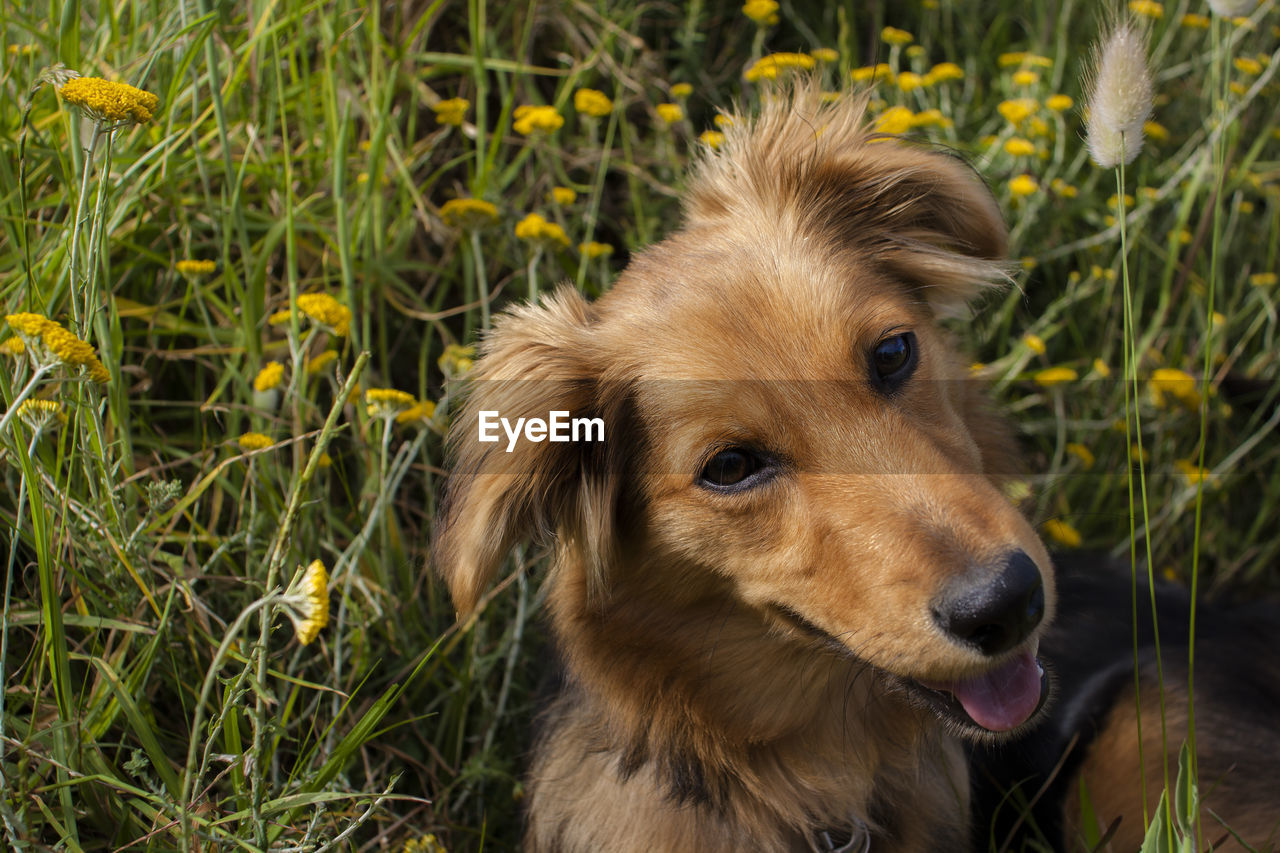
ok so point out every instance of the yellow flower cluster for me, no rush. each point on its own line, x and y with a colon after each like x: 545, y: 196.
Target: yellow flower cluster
x: 763, y: 12
x: 37, y: 413
x: 451, y: 111
x: 531, y: 119
x: 1051, y: 376
x: 592, y: 102
x: 534, y: 228
x: 387, y: 402
x: 12, y: 345
x: 562, y: 196
x: 825, y: 54
x: 321, y: 361
x: 322, y: 309
x: 309, y: 602
x: 66, y: 347
x: 895, y: 36
x: 768, y: 67
x: 456, y: 360
x: 595, y: 250
x: 681, y: 90
x: 669, y: 113
x: 254, y: 441
x: 468, y: 213
x: 1030, y: 60
x: 714, y: 138
x: 1169, y: 382
x: 1062, y: 533
x: 195, y: 267
x: 1059, y: 103
x: 1084, y: 454
x: 419, y: 413
x: 1023, y: 185
x: 108, y: 101
x: 269, y: 377
x: 1147, y: 9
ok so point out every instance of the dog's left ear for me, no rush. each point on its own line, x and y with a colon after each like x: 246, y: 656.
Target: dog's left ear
x: 512, y: 489
x: 944, y: 236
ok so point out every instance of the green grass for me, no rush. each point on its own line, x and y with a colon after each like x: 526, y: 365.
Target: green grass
x: 154, y: 692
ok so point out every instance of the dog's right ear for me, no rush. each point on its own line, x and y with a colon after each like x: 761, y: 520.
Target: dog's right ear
x: 501, y: 492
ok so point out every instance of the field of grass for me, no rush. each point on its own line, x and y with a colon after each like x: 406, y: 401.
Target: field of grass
x: 162, y: 527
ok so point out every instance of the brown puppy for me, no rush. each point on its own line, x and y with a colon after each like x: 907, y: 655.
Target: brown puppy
x: 786, y: 579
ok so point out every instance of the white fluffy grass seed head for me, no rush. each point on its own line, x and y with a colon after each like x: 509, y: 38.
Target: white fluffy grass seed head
x: 1232, y: 8
x: 1119, y: 100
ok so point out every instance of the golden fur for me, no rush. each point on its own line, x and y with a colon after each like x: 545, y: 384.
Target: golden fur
x: 734, y: 662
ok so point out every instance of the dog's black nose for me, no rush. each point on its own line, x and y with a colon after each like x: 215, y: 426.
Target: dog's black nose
x: 994, y: 615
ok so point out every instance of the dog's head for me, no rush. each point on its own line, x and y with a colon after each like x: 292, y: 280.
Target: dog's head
x: 788, y: 434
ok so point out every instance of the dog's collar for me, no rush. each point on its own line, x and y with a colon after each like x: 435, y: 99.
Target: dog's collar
x: 853, y: 838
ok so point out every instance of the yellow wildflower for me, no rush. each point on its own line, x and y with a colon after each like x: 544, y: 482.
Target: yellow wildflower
x: 681, y: 90
x: 1084, y: 454
x: 669, y: 113
x: 761, y: 11
x: 768, y: 67
x: 879, y: 73
x: 195, y: 267
x: 451, y: 111
x: 1263, y: 279
x: 1018, y: 110
x: 1147, y: 9
x: 722, y: 120
x: 893, y: 35
x: 418, y: 413
x: 563, y: 195
x: 534, y: 228
x: 269, y: 377
x: 1247, y: 65
x: 930, y: 118
x: 1019, y: 147
x: 427, y: 843
x: 31, y: 325
x: 1035, y: 343
x: 1140, y: 454
x: 325, y: 461
x: 1195, y: 22
x: 254, y: 441
x: 1100, y: 368
x: 307, y: 602
x: 944, y: 71
x: 321, y: 361
x: 1062, y: 188
x: 1192, y: 472
x: 327, y: 311
x: 73, y: 352
x: 468, y: 213
x: 1115, y: 199
x: 38, y: 413
x: 1059, y: 103
x: 531, y: 119
x: 895, y: 120
x: 1023, y: 185
x: 592, y: 102
x: 1062, y: 533
x: 387, y: 402
x: 825, y: 54
x: 1055, y: 376
x: 1025, y: 77
x: 12, y: 345
x: 1155, y: 131
x: 1178, y: 384
x: 106, y: 101
x: 456, y: 360
x: 714, y: 138
x: 595, y: 250
x: 1031, y: 60
x: 909, y: 81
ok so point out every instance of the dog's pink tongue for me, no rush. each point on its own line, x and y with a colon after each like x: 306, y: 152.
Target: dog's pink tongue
x: 1003, y: 698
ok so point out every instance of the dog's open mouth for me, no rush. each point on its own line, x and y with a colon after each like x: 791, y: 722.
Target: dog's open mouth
x: 997, y: 701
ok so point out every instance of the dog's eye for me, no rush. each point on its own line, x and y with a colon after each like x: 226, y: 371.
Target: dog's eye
x: 732, y: 467
x: 892, y: 360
